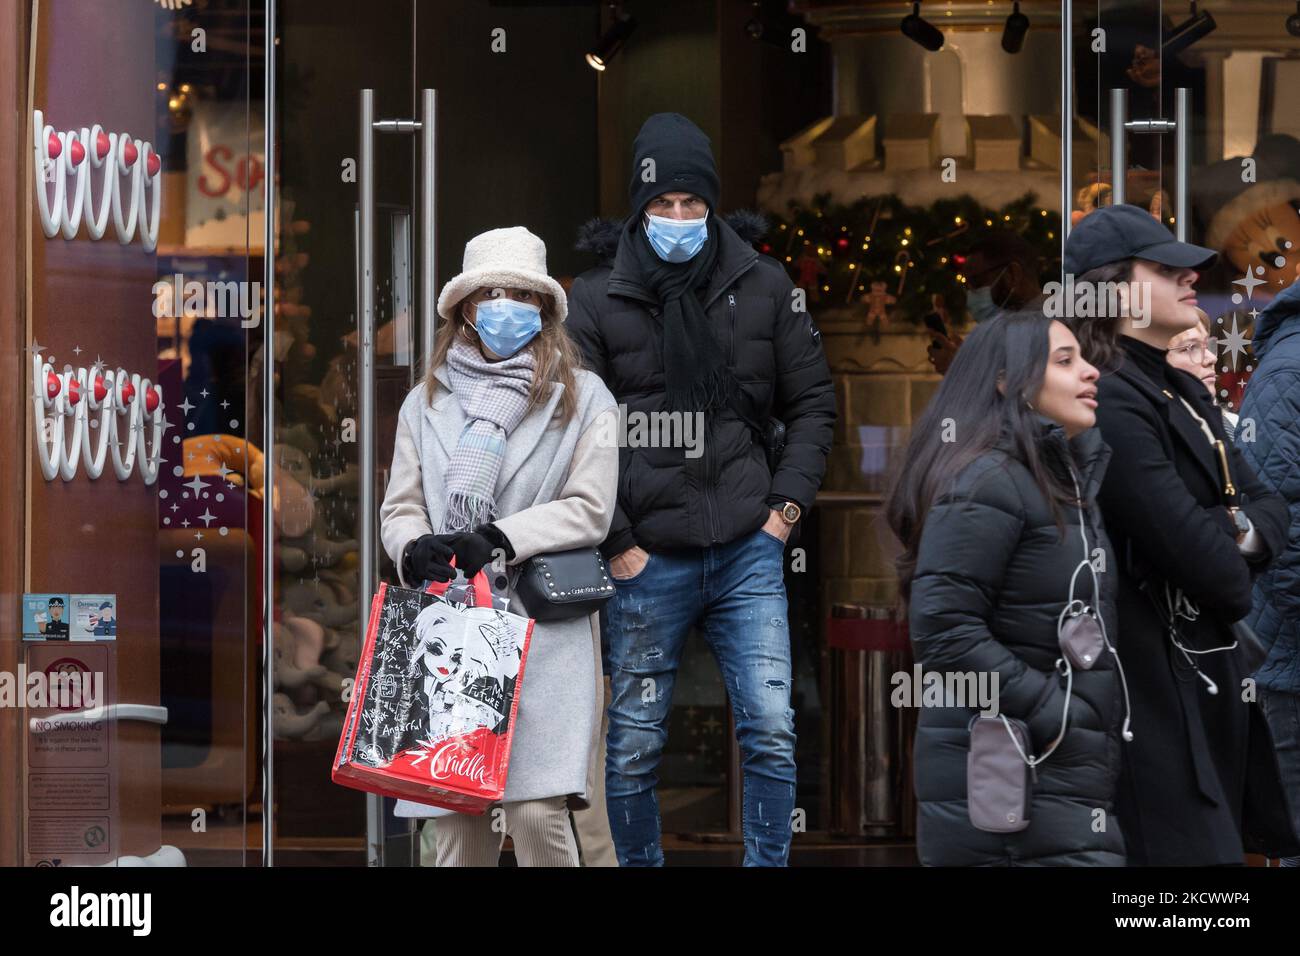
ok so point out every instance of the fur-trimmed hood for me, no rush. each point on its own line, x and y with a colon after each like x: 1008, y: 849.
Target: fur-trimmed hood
x: 600, y: 236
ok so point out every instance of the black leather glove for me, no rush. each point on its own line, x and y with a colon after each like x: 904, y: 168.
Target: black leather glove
x: 473, y: 549
x: 427, y: 558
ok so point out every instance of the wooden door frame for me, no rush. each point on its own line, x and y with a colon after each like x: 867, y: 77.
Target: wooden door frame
x: 15, y: 30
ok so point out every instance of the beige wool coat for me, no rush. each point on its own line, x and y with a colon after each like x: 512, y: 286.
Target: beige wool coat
x: 556, y: 491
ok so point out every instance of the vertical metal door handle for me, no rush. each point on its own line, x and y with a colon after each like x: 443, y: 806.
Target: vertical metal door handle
x: 428, y: 224
x: 1182, y: 157
x: 1118, y: 146
x: 1067, y: 120
x: 1180, y: 126
x: 366, y: 347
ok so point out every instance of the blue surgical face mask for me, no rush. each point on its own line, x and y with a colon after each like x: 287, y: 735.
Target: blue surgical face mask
x: 505, y: 326
x: 980, y: 303
x: 676, y: 240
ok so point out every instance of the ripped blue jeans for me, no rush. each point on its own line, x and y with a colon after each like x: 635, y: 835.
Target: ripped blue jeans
x: 736, y: 592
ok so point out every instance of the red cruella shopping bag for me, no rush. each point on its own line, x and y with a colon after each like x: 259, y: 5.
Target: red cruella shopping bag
x: 433, y: 706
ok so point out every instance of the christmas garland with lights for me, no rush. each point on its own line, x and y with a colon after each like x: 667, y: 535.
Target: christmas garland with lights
x: 836, y: 251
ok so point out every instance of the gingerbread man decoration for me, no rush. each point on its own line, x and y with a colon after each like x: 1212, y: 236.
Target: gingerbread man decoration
x: 878, y: 301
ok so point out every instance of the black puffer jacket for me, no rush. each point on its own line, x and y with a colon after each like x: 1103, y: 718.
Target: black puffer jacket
x: 992, y: 576
x: 666, y: 498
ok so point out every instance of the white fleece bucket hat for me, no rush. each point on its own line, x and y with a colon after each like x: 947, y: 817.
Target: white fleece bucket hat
x: 510, y: 258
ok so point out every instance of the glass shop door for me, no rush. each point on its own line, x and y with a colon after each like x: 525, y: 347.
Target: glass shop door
x: 365, y: 128
x: 1194, y: 103
x: 355, y: 151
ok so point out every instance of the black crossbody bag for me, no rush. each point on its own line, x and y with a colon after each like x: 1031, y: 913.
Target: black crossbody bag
x: 566, y: 584
x: 561, y: 585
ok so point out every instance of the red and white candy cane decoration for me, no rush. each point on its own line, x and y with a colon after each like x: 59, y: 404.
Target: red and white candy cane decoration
x: 60, y: 155
x: 101, y: 396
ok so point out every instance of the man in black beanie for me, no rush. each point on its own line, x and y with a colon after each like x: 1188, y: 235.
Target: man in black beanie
x: 697, y: 334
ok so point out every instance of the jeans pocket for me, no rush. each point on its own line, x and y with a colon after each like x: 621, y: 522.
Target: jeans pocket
x: 636, y: 577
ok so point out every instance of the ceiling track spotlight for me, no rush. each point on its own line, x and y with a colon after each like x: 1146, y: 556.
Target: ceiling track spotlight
x: 1194, y: 28
x: 1013, y: 33
x: 612, y: 42
x: 921, y: 31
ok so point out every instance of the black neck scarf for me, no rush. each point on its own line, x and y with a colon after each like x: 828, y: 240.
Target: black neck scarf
x: 694, y: 364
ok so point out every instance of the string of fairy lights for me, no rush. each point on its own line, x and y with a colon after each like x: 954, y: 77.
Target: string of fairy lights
x: 836, y: 251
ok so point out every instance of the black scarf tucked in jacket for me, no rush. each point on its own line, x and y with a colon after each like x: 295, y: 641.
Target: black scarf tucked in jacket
x: 694, y: 364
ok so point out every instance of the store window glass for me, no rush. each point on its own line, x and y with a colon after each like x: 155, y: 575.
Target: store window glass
x: 1193, y: 105
x: 140, y: 448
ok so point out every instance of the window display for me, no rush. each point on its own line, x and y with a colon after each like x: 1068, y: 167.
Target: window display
x: 63, y: 156
x: 232, y: 222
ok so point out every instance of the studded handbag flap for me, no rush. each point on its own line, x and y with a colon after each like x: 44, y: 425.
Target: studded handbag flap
x: 564, y: 584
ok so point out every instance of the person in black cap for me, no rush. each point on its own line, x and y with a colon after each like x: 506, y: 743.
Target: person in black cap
x: 56, y: 627
x: 1191, y: 525
x: 685, y: 317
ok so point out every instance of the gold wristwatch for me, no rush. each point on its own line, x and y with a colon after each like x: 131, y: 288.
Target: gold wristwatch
x: 790, y: 512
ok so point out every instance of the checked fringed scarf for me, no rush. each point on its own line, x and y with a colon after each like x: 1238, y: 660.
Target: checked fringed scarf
x: 494, y: 396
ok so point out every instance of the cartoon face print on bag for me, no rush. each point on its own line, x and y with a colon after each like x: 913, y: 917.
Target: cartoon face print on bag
x: 441, y: 661
x: 458, y: 686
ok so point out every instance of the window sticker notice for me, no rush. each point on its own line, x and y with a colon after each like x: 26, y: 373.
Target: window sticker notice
x: 67, y: 835
x: 71, y: 800
x: 45, y: 617
x: 67, y: 734
x: 94, y: 617
x: 68, y: 791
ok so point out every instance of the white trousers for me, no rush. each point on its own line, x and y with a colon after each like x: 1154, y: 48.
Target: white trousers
x: 540, y: 830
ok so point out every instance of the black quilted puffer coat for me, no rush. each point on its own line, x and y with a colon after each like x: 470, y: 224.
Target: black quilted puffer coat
x: 992, y: 576
x: 668, y: 499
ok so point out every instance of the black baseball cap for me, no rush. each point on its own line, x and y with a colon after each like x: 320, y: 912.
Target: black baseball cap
x: 1114, y: 233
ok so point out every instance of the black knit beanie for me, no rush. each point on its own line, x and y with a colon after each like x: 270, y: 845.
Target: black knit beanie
x: 683, y: 162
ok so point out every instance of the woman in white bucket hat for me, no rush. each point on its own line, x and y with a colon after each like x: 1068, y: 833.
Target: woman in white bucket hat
x: 505, y: 446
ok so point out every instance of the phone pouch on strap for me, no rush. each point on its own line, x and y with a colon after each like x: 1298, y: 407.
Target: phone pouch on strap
x: 998, y: 786
x: 1081, y: 641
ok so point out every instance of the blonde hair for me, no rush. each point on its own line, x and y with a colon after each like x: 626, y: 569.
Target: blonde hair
x: 557, y: 357
x: 1202, y: 319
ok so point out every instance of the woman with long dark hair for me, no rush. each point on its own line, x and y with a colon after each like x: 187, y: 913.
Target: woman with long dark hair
x: 1003, y: 551
x: 1191, y: 525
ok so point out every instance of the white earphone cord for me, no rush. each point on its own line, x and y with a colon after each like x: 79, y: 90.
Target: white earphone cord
x: 1177, y: 605
x: 1069, y: 670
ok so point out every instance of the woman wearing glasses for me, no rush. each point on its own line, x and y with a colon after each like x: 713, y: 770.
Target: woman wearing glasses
x: 1194, y: 352
x: 1191, y: 525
